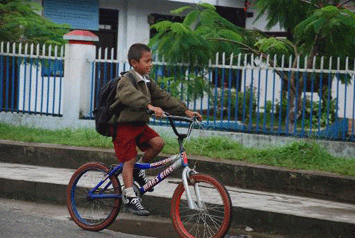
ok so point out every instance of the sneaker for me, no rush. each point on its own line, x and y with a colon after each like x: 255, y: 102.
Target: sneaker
x: 140, y: 178
x: 134, y: 205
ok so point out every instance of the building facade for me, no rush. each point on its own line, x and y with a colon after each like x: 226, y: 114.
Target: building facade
x: 119, y: 24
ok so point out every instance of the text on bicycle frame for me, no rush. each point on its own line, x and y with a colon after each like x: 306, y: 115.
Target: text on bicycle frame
x: 158, y: 178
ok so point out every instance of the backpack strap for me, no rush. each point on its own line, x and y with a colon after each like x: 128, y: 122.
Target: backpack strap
x: 133, y: 80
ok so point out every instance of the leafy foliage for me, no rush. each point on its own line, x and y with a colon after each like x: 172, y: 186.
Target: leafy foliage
x: 322, y: 115
x: 236, y: 105
x: 19, y: 22
x: 191, y: 86
x: 329, y: 31
x: 287, y: 13
x: 180, y: 43
x: 274, y: 46
x: 194, y: 40
x: 323, y: 27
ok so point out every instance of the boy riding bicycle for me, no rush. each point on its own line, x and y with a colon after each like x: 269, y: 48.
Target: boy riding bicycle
x: 131, y: 128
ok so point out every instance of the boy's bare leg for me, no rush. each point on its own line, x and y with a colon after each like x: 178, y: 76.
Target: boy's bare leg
x: 127, y: 173
x: 156, y: 145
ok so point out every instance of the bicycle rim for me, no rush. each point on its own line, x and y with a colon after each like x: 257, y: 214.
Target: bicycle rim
x: 213, y: 216
x: 92, y: 214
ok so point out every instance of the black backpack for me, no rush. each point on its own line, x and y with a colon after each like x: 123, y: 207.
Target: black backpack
x: 106, y: 98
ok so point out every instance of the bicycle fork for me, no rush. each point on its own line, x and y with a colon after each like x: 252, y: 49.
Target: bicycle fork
x: 185, y: 176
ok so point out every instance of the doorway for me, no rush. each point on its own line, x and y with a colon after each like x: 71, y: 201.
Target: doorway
x: 107, y: 33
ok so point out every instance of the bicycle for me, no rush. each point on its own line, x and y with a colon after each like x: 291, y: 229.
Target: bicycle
x: 94, y: 194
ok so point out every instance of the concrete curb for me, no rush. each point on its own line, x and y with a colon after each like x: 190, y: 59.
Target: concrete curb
x: 231, y: 173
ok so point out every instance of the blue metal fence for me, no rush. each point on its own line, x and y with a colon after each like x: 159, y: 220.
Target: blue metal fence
x: 241, y: 93
x: 31, y: 79
x: 248, y: 94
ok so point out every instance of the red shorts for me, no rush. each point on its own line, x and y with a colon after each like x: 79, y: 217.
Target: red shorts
x: 129, y: 137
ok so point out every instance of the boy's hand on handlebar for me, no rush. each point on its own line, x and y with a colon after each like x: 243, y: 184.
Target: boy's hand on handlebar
x: 157, y: 111
x: 193, y: 114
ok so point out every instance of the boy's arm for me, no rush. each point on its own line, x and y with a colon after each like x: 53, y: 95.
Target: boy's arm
x: 163, y: 99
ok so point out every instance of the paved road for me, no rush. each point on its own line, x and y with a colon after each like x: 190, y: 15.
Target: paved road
x: 20, y: 219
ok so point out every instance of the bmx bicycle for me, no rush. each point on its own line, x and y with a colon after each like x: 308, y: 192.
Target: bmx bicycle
x: 200, y: 205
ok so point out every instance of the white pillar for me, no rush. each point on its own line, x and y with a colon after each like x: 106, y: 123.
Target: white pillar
x: 79, y: 55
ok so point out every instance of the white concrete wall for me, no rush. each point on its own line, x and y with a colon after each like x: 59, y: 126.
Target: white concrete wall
x: 344, y: 93
x: 78, y: 74
x: 260, y: 24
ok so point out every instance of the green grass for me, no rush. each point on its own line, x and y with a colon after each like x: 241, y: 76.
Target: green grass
x: 78, y: 137
x: 297, y: 155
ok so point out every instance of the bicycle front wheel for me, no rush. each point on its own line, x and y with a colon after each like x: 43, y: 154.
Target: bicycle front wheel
x: 89, y: 213
x: 212, y: 214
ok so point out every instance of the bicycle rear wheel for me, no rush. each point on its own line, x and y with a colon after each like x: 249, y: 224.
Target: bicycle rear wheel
x: 93, y: 214
x: 212, y: 217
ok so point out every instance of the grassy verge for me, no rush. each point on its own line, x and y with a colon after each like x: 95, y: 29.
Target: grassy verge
x: 297, y: 155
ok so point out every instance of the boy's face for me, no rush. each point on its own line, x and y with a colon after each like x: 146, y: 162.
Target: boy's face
x: 144, y: 65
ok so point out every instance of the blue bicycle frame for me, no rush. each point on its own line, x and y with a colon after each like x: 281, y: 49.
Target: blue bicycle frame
x: 176, y: 161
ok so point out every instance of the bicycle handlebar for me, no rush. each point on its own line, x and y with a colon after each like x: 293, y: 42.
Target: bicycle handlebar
x: 172, y: 120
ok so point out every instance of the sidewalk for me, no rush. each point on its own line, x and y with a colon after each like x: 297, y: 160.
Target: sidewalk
x: 260, y: 210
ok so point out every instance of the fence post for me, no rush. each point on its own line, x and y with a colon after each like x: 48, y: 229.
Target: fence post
x: 79, y: 54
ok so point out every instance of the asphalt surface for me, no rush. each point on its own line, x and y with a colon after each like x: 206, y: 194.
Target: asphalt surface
x: 21, y: 219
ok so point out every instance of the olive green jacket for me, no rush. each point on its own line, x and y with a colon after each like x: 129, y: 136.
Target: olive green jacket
x: 136, y: 97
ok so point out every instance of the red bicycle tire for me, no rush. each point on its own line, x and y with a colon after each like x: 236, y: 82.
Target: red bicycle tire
x: 176, y: 214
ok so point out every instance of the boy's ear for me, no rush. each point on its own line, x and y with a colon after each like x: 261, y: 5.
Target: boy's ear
x: 133, y: 62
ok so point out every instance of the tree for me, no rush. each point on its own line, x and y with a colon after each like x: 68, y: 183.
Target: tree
x: 192, y: 41
x: 287, y: 13
x: 314, y: 28
x: 19, y: 22
x: 325, y: 29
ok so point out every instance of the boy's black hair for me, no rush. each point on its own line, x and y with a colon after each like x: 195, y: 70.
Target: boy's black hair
x: 136, y: 51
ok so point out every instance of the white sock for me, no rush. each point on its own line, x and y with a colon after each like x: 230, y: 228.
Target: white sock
x: 129, y: 192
